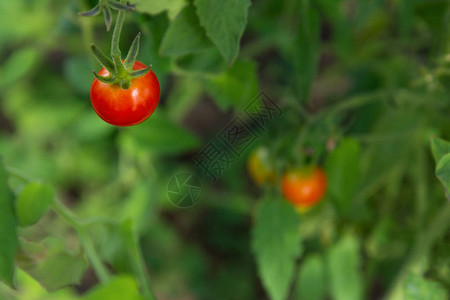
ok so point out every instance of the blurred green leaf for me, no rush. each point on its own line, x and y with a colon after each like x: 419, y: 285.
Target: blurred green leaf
x: 183, y: 97
x: 443, y: 171
x: 78, y: 73
x: 154, y: 7
x: 160, y: 135
x: 381, y: 243
x: 441, y: 153
x: 185, y: 35
x: 276, y: 243
x: 439, y: 148
x: 418, y: 288
x: 344, y: 172
x: 30, y: 289
x: 433, y: 13
x: 50, y: 264
x: 8, y: 230
x: 33, y: 202
x: 344, y: 263
x: 18, y: 65
x: 38, y: 21
x: 89, y: 127
x: 342, y: 39
x: 56, y: 117
x: 119, y: 288
x: 224, y: 22
x: 307, y: 49
x: 141, y: 206
x: 204, y: 64
x: 312, y: 281
x: 236, y: 86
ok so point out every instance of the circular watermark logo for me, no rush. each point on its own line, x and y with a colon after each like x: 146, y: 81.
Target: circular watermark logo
x: 184, y: 190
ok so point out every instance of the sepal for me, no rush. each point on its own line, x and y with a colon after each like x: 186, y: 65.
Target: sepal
x: 120, y: 6
x: 108, y: 17
x: 120, y: 69
x: 103, y: 59
x: 92, y: 12
x: 107, y: 80
x: 132, y: 53
x: 141, y: 72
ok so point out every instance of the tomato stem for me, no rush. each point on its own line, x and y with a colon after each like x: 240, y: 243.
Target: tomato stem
x: 115, y: 50
x: 119, y: 72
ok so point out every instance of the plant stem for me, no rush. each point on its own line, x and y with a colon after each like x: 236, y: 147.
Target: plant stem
x: 84, y: 238
x: 352, y: 103
x: 100, y: 269
x: 423, y: 244
x: 115, y: 50
x: 137, y: 261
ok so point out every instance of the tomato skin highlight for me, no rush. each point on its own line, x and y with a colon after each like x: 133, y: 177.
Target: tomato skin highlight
x: 304, y: 187
x: 132, y: 106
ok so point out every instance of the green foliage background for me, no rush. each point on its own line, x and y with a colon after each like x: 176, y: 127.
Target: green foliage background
x: 364, y: 86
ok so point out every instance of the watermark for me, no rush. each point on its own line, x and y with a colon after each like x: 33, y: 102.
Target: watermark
x: 184, y: 190
x: 222, y: 152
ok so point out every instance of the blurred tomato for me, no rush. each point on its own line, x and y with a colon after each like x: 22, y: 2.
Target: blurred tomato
x: 260, y: 167
x: 304, y: 187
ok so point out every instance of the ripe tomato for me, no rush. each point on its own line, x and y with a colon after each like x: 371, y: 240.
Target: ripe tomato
x: 128, y: 107
x: 304, y: 187
x: 259, y: 167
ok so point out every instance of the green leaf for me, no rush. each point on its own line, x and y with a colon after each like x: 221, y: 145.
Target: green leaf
x: 342, y: 38
x: 154, y: 7
x: 120, y: 288
x: 89, y: 127
x: 18, y: 65
x: 185, y: 35
x: 418, y: 288
x: 160, y: 135
x: 50, y: 264
x: 443, y: 171
x: 75, y: 70
x: 8, y: 230
x: 206, y: 63
x: 33, y: 202
x: 183, y: 97
x: 235, y: 87
x: 344, y: 262
x: 276, y: 243
x: 224, y: 22
x: 311, y: 282
x: 306, y: 55
x: 439, y: 148
x: 343, y: 171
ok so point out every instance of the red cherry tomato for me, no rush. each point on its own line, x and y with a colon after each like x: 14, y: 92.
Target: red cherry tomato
x: 128, y: 107
x: 304, y: 187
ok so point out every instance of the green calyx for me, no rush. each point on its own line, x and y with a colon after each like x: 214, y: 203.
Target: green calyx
x: 106, y: 7
x: 120, y: 72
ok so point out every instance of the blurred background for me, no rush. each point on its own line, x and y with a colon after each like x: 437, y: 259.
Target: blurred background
x: 362, y: 85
